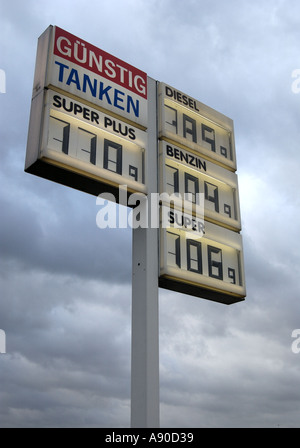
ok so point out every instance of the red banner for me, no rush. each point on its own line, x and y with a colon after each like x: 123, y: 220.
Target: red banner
x: 86, y: 55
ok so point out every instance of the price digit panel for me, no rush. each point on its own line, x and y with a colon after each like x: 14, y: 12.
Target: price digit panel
x: 208, y: 265
x: 88, y: 149
x: 186, y: 121
x: 202, y: 183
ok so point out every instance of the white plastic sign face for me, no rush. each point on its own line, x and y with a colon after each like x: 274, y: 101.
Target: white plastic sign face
x: 186, y: 121
x: 212, y: 263
x: 89, y: 117
x: 86, y: 140
x: 183, y: 220
x: 84, y: 71
x: 193, y: 178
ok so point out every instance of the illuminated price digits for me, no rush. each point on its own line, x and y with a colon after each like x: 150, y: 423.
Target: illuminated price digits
x: 215, y: 266
x: 95, y: 150
x: 59, y: 135
x: 212, y: 194
x: 189, y: 128
x: 209, y: 139
x: 189, y: 131
x: 201, y: 258
x: 192, y: 124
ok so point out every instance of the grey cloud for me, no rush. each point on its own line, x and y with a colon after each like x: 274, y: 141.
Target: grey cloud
x: 63, y: 237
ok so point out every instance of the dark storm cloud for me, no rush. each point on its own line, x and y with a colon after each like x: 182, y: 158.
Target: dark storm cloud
x: 51, y: 229
x: 61, y: 339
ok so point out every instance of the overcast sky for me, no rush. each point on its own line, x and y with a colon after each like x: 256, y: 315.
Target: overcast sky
x: 65, y: 285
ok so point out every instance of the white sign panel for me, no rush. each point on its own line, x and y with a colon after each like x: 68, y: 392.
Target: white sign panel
x: 207, y: 263
x: 186, y: 121
x: 88, y: 118
x: 87, y: 72
x: 201, y: 248
x: 184, y: 172
x: 86, y: 141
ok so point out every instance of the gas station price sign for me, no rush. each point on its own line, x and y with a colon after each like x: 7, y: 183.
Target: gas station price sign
x: 93, y: 119
x: 89, y: 117
x: 98, y: 123
x: 187, y: 173
x: 191, y: 124
x: 204, y: 260
x: 201, y: 251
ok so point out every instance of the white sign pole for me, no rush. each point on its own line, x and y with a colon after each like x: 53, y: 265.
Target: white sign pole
x: 145, y: 328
